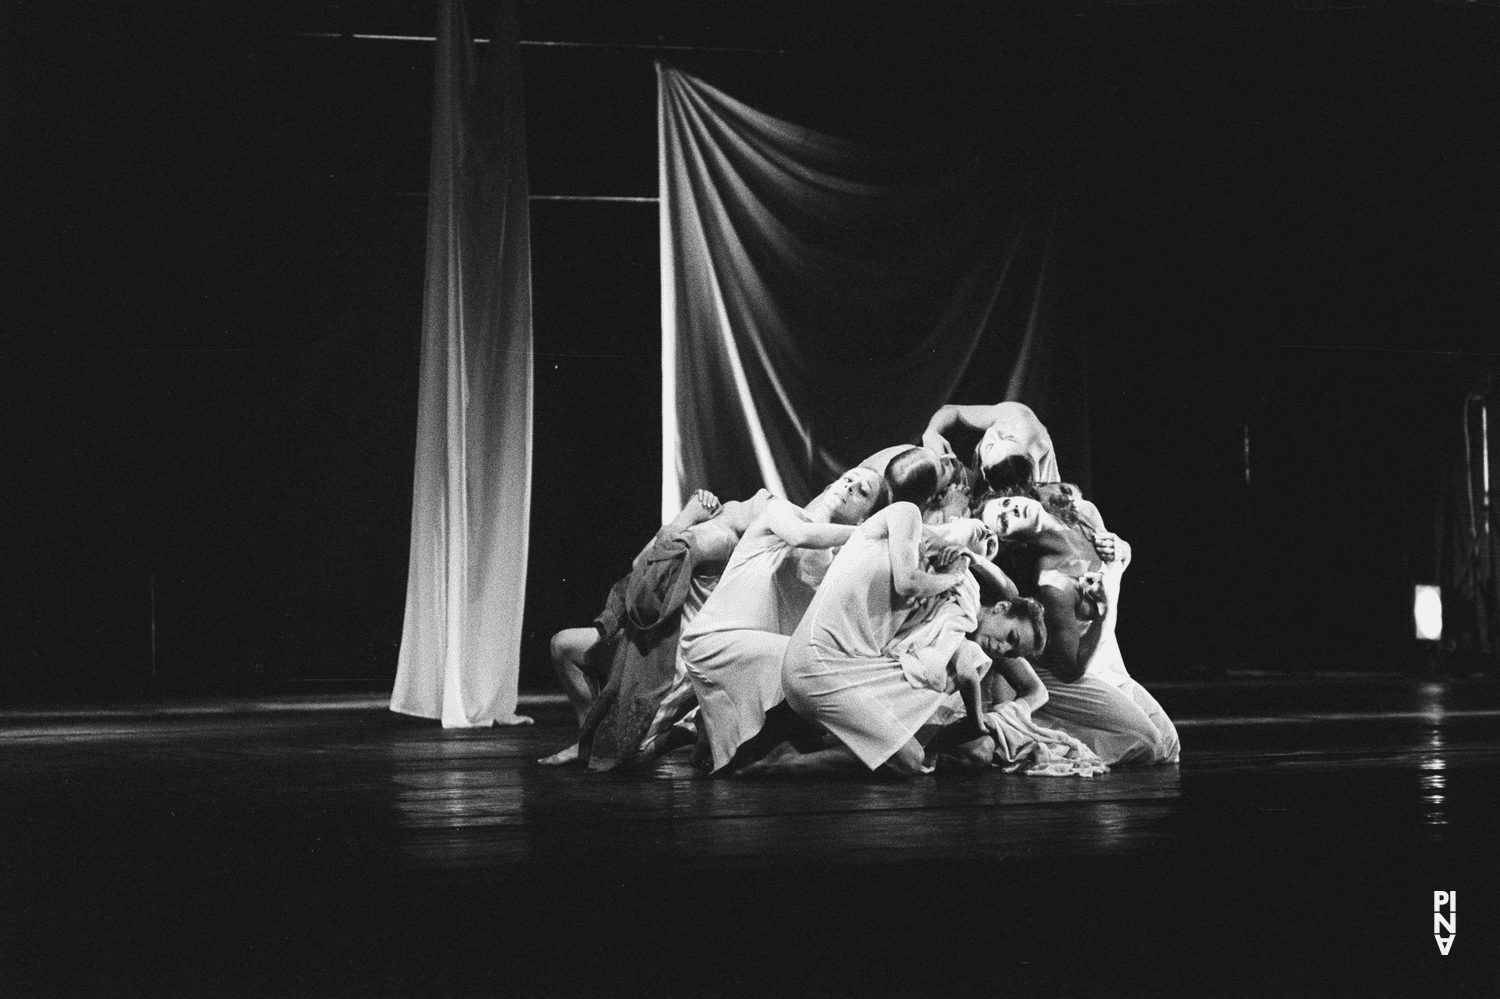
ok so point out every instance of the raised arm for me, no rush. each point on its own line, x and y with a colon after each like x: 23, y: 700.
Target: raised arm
x: 700, y: 507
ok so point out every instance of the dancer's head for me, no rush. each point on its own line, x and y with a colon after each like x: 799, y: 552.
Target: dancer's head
x: 1009, y: 516
x: 955, y: 494
x: 851, y: 497
x: 968, y: 534
x: 912, y: 476
x: 1010, y: 473
x: 1012, y: 629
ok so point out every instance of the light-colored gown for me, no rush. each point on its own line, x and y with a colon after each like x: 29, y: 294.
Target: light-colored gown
x: 733, y: 646
x: 869, y: 667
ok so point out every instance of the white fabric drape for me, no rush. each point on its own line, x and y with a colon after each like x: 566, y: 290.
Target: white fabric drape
x: 460, y: 647
x: 821, y: 299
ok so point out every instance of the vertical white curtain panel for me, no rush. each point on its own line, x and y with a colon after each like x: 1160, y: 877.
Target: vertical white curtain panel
x: 460, y: 647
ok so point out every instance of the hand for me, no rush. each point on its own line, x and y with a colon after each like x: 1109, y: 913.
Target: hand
x: 937, y: 443
x: 1104, y: 544
x: 1092, y: 586
x: 951, y: 558
x: 708, y: 501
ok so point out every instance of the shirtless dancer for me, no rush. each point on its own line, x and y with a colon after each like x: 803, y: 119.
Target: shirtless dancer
x: 581, y: 657
x: 1014, y: 449
x: 1078, y: 574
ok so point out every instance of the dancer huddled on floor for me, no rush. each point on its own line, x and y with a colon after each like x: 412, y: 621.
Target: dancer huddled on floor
x: 733, y: 647
x: 1058, y: 548
x: 623, y: 675
x: 912, y: 652
x: 896, y: 626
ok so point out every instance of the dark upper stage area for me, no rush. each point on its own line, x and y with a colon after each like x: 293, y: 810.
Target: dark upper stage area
x: 1287, y: 216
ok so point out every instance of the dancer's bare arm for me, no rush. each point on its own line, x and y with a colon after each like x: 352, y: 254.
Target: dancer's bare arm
x: 950, y: 416
x: 1029, y: 688
x: 901, y: 525
x: 1069, y: 647
x: 791, y: 525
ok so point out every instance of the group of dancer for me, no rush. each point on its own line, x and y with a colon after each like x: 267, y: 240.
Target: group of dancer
x: 923, y: 612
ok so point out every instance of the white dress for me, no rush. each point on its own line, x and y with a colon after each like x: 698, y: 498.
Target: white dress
x: 733, y: 647
x: 869, y: 667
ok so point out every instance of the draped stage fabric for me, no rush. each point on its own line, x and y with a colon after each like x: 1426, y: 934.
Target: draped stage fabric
x: 460, y: 647
x: 822, y: 298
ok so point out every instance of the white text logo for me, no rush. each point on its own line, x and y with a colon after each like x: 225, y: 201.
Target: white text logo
x: 1444, y: 923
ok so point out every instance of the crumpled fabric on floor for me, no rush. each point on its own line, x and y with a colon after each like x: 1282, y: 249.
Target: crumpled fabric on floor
x: 1037, y: 751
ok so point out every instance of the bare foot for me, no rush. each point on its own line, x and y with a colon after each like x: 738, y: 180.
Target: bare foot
x: 771, y: 764
x: 558, y: 759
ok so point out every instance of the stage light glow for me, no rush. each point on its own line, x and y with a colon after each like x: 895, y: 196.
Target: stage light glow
x: 1427, y: 610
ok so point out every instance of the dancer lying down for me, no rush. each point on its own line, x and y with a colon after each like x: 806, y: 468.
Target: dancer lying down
x: 886, y: 638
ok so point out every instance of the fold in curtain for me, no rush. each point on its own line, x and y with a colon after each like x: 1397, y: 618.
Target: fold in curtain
x: 460, y: 647
x: 822, y: 298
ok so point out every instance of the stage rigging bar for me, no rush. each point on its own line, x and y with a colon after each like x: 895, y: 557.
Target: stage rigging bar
x: 642, y: 46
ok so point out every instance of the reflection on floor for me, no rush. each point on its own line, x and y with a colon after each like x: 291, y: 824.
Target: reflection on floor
x: 328, y: 847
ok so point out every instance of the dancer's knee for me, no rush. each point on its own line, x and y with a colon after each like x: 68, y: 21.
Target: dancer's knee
x: 571, y: 645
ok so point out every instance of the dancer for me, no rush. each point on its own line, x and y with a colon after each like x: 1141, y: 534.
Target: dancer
x: 1077, y: 580
x: 733, y: 647
x: 1014, y: 449
x: 883, y: 643
x: 940, y: 485
x: 624, y: 676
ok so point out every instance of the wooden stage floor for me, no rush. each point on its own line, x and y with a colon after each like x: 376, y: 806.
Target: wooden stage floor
x: 325, y: 847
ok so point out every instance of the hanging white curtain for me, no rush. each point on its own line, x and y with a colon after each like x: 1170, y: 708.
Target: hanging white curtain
x: 460, y: 648
x: 822, y: 298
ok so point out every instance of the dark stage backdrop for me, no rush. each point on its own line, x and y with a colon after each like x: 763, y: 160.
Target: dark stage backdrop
x: 1286, y: 220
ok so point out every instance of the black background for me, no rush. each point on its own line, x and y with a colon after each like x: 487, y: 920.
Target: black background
x: 1287, y: 218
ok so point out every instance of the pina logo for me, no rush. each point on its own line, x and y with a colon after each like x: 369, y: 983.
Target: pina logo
x: 1444, y: 923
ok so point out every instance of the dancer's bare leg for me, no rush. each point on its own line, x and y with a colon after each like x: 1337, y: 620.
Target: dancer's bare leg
x: 570, y: 650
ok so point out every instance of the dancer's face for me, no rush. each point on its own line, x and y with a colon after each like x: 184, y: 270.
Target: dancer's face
x: 994, y: 449
x: 851, y: 497
x: 1003, y: 635
x: 1012, y: 515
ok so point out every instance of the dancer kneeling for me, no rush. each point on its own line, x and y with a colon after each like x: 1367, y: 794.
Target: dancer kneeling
x: 1076, y: 572
x: 733, y: 647
x: 624, y: 675
x: 885, y: 640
